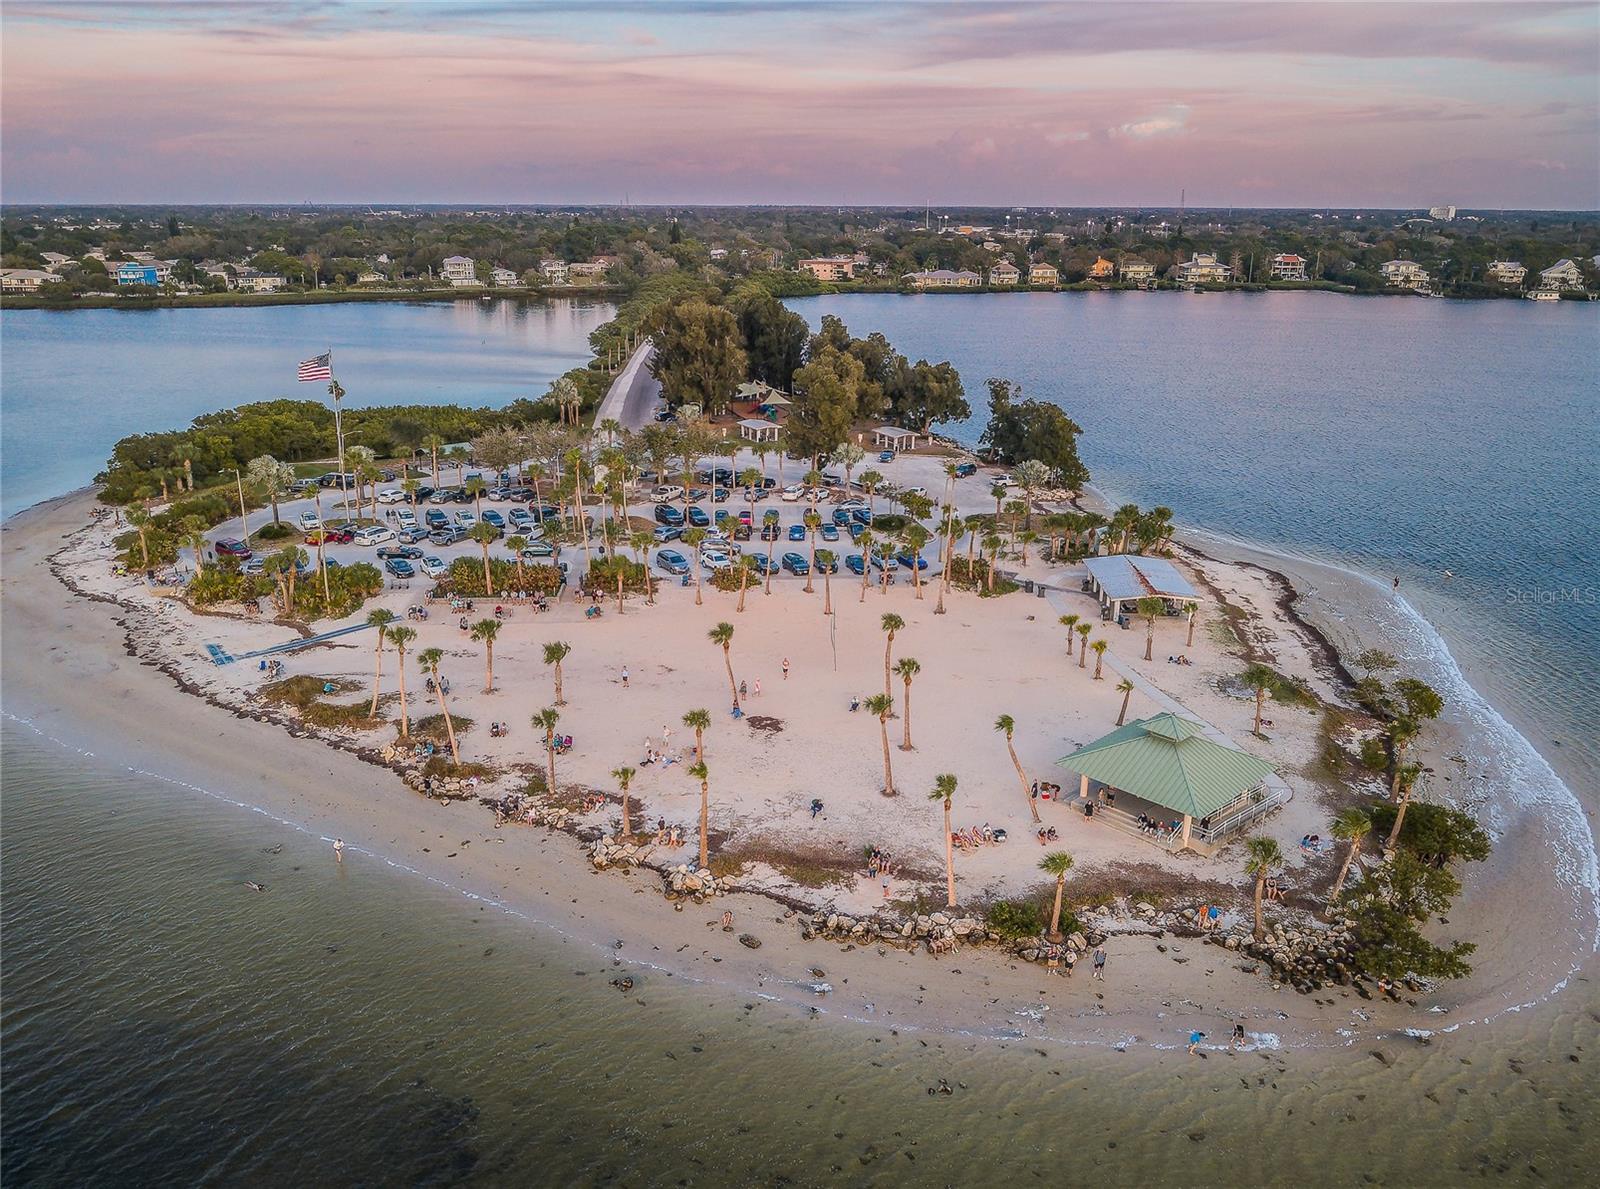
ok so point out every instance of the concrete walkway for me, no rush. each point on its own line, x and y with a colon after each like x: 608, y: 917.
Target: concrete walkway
x: 632, y: 397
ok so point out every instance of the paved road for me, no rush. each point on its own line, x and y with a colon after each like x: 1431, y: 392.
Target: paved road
x: 634, y: 394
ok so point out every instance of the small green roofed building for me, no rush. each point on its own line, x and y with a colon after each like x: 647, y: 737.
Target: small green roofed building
x: 1168, y: 761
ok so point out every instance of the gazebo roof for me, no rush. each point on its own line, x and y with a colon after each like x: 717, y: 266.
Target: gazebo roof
x: 1168, y: 761
x: 1134, y: 576
x: 895, y: 431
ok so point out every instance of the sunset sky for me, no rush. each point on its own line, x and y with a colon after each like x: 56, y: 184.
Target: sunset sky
x: 684, y: 101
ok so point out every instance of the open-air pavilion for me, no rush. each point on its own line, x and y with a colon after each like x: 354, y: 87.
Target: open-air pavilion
x: 1165, y: 768
x: 1120, y: 578
x: 753, y: 429
x: 892, y: 437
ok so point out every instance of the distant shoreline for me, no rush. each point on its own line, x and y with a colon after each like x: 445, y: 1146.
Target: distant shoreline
x: 204, y: 301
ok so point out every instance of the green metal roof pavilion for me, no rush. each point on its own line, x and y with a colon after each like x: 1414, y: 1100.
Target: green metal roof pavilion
x: 1168, y: 761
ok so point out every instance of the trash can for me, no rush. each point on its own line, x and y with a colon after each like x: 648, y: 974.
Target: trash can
x: 1027, y: 585
x: 1041, y: 590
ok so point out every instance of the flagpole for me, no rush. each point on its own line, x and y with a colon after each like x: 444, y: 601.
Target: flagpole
x: 338, y: 430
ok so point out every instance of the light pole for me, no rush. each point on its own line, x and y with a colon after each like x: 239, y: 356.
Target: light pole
x: 244, y: 520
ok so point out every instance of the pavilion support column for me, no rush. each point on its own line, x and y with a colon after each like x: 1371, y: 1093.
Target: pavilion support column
x: 1188, y: 823
x: 1083, y: 788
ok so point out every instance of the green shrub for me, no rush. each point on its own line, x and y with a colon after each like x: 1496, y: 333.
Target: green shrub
x: 465, y: 578
x: 271, y: 531
x: 1016, y: 918
x: 889, y: 523
x: 1436, y: 834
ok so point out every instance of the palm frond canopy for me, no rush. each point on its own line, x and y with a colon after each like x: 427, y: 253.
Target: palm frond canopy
x: 1168, y: 761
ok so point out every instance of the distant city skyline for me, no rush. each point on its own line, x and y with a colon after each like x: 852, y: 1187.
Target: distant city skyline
x: 696, y: 102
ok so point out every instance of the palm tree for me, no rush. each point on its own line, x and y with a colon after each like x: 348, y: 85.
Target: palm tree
x: 722, y: 634
x: 642, y: 543
x: 944, y: 789
x: 1406, y: 777
x: 1099, y: 650
x: 1125, y: 687
x: 1259, y: 678
x: 139, y: 518
x: 485, y: 535
x: 1149, y: 607
x: 991, y: 546
x: 1349, y: 825
x: 907, y: 668
x: 516, y: 542
x: 891, y: 624
x: 882, y: 705
x: 432, y: 444
x: 813, y: 521
x: 379, y: 620
x: 692, y: 537
x: 546, y: 721
x: 1070, y: 622
x: 870, y: 482
x: 429, y: 659
x: 1007, y: 725
x: 624, y: 777
x: 916, y: 538
x: 400, y: 636
x: 475, y: 487
x: 1083, y: 642
x: 1056, y: 863
x: 865, y: 541
x: 703, y: 775
x: 1262, y: 858
x: 1191, y: 609
x: 698, y: 721
x: 554, y: 653
x: 194, y: 536
x: 484, y: 632
x: 830, y: 561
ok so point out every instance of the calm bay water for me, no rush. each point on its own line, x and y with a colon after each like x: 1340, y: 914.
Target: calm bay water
x: 72, y: 383
x: 1402, y: 437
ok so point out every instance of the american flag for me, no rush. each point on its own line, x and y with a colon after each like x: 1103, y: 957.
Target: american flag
x: 320, y: 368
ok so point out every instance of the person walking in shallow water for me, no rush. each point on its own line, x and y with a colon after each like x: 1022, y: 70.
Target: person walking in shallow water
x: 338, y: 850
x: 1100, y: 962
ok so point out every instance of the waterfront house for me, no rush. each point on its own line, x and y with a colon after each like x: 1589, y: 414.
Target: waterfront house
x: 1043, y: 274
x: 251, y: 281
x: 553, y: 271
x: 829, y: 268
x: 368, y: 277
x: 1286, y: 266
x: 136, y: 272
x: 1004, y: 274
x: 501, y: 277
x: 1102, y: 269
x: 1138, y: 272
x: 54, y: 261
x: 943, y: 278
x: 1506, y: 272
x: 589, y: 268
x: 718, y: 253
x: 990, y: 245
x: 24, y: 280
x: 1204, y: 269
x: 459, y: 271
x: 1562, y: 275
x: 1405, y: 274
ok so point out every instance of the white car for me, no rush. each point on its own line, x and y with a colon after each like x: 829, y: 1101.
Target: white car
x: 922, y: 491
x: 391, y: 495
x: 406, y: 517
x: 1004, y: 481
x: 466, y: 519
x: 375, y: 534
x: 433, y: 567
x: 793, y: 492
x: 309, y: 521
x: 666, y: 493
x: 715, y: 539
x: 713, y: 561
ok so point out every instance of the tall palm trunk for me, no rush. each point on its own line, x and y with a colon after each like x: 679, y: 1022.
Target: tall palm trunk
x: 1022, y: 779
x: 888, y: 773
x: 1261, y: 889
x: 827, y: 592
x: 377, y: 678
x: 405, y: 717
x: 560, y: 701
x: 705, y: 821
x: 550, y: 758
x: 488, y: 582
x: 949, y: 861
x: 744, y: 582
x: 727, y: 661
x: 449, y: 726
x: 1055, y: 912
x: 488, y: 662
x: 905, y: 744
x: 1344, y: 873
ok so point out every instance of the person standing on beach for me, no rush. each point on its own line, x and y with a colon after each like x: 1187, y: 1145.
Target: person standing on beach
x: 624, y: 676
x: 338, y: 850
x: 786, y: 668
x: 1194, y: 1042
x: 1238, y: 1037
x: 1100, y: 962
x: 756, y: 688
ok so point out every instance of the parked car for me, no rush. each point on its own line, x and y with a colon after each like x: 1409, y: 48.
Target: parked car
x: 861, y: 516
x: 466, y: 519
x: 719, y: 495
x: 233, y: 548
x: 855, y: 565
x: 841, y: 517
x: 746, y: 516
x: 537, y: 550
x: 796, y: 563
x: 668, y: 532
x: 856, y: 529
x: 830, y: 532
x: 672, y: 561
x: 715, y: 538
x: 770, y: 516
x: 411, y: 534
x: 886, y: 456
x: 256, y: 565
x: 433, y: 567
x: 409, y: 552
x: 761, y: 565
x: 882, y: 561
x: 308, y: 520
x: 301, y: 486
x: 448, y: 534
x: 330, y: 536
x: 520, y: 518
x: 770, y: 531
x: 667, y: 514
x: 713, y: 561
x: 905, y: 558
x: 490, y: 516
x: 741, y: 531
x: 376, y: 534
x: 544, y: 512
x: 406, y: 517
x: 497, y: 494
x: 1005, y: 481
x: 698, y: 517
x: 399, y: 567
x: 436, y: 518
x: 966, y: 469
x: 827, y: 562
x: 666, y: 493
x: 797, y: 532
x: 755, y: 494
x: 793, y: 492
x: 391, y: 495
x: 423, y: 492
x: 442, y: 496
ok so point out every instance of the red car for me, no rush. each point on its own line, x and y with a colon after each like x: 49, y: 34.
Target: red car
x: 232, y: 548
x: 330, y: 536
